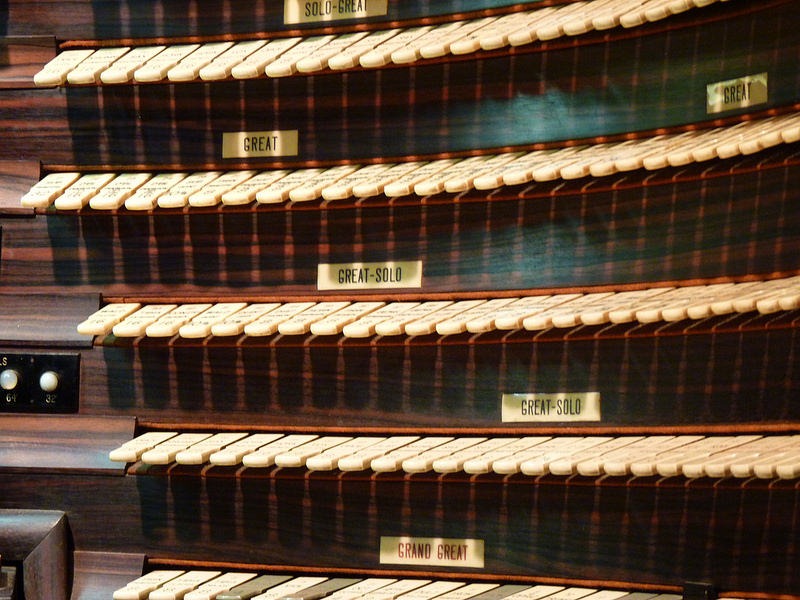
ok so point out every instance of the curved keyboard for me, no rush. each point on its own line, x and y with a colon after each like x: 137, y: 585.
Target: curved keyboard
x: 691, y: 456
x: 283, y: 57
x: 147, y: 191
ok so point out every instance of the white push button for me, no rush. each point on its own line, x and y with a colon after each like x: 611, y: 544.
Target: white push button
x: 49, y: 381
x: 9, y: 379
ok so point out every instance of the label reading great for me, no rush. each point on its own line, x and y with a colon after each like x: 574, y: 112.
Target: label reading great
x: 315, y: 11
x: 551, y: 408
x: 372, y: 275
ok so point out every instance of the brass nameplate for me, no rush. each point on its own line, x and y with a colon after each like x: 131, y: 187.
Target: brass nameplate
x: 442, y: 552
x: 551, y: 408
x: 741, y: 92
x: 249, y: 144
x: 370, y: 276
x: 316, y: 11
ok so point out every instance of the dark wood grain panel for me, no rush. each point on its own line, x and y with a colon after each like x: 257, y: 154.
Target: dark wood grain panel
x: 44, y: 319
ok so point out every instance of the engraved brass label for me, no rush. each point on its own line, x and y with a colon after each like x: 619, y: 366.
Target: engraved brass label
x: 741, y: 92
x: 316, y: 11
x: 248, y: 144
x: 372, y: 275
x: 443, y: 552
x: 551, y: 408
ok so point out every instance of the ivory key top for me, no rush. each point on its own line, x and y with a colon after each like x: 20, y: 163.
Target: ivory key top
x: 201, y: 325
x: 335, y: 323
x: 156, y: 68
x: 286, y: 64
x: 177, y: 588
x: 132, y: 450
x: 118, y: 190
x: 393, y: 460
x: 342, y: 188
x: 222, y: 65
x: 484, y: 462
x: 188, y: 68
x: 432, y: 39
x: 177, y: 196
x: 366, y: 325
x: 135, y: 324
x: 103, y: 321
x: 146, y: 196
x: 122, y: 69
x: 223, y: 583
x: 312, y: 188
x: 246, y: 191
x: 170, y: 323
x: 265, y: 455
x: 47, y: 189
x: 268, y: 323
x: 233, y: 454
x: 329, y: 459
x: 427, y: 324
x: 78, y: 195
x: 455, y: 461
x: 349, y: 57
x: 396, y: 325
x: 513, y: 317
x: 89, y: 70
x: 281, y: 189
x: 140, y: 588
x: 318, y: 60
x: 199, y: 453
x: 55, y: 72
x: 381, y: 54
x: 236, y: 323
x: 361, y: 460
x: 301, y: 322
x: 298, y: 456
x: 165, y: 452
x: 568, y: 465
x: 212, y: 192
x: 459, y: 323
x: 255, y: 64
x: 424, y: 461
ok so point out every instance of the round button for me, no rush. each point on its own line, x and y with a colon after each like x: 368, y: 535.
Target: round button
x: 9, y: 379
x: 49, y: 381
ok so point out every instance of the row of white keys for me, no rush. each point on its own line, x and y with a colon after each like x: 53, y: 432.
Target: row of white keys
x: 246, y: 191
x: 361, y: 460
x: 177, y: 588
x: 135, y: 324
x: 335, y: 323
x: 44, y: 192
x: 301, y: 322
x: 423, y: 462
x: 232, y: 454
x: 170, y: 323
x: 117, y: 191
x: 367, y: 325
x: 683, y: 460
x: 56, y: 71
x: 265, y: 455
x: 562, y: 314
x: 568, y: 465
x: 211, y: 193
x: 396, y: 325
x: 349, y: 57
x: 427, y: 325
x: 236, y: 323
x: 543, y: 463
x: 553, y: 447
x: 483, y: 463
x: 255, y: 64
x: 312, y: 188
x: 329, y: 459
x: 281, y: 189
x: 404, y: 186
x: 296, y: 457
x: 188, y: 68
x: 177, y: 196
x: 432, y: 39
x: 88, y: 70
x: 103, y: 321
x: 381, y: 54
x: 223, y: 583
x: 201, y: 325
x: 357, y: 590
x: 513, y: 316
x: 739, y: 461
x: 156, y: 68
x: 785, y: 297
x: 268, y: 322
x: 140, y: 588
x: 200, y: 452
x: 618, y: 462
x: 220, y: 66
x: 78, y: 195
x: 454, y: 462
x: 122, y: 70
x: 146, y: 197
x: 165, y: 452
x: 443, y: 44
x: 396, y: 589
x: 460, y: 323
x: 460, y: 176
x: 132, y: 450
x: 286, y: 64
x: 318, y: 60
x: 674, y: 304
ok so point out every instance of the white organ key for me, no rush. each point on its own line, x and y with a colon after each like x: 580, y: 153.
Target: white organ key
x: 348, y: 57
x: 621, y: 463
x: 301, y: 322
x: 236, y: 323
x: 743, y: 295
x: 361, y: 460
x: 638, y: 16
x: 165, y: 452
x: 675, y: 303
x: 122, y: 70
x: 524, y: 32
x: 255, y: 64
x: 455, y: 461
x: 654, y: 149
x: 512, y: 317
x: 397, y: 324
x: 750, y: 130
x: 629, y: 154
x: 146, y: 197
x: 234, y: 453
x: 574, y: 17
x: 423, y: 462
x: 103, y: 321
x: 553, y: 448
x: 188, y: 69
x: 245, y: 192
x: 343, y: 188
x: 312, y: 188
x: 201, y: 325
x: 56, y: 71
x: 396, y: 589
x: 495, y: 35
x: 211, y: 193
x: 89, y: 69
x: 583, y: 22
x: 600, y: 312
x: 608, y: 17
x: 562, y: 315
x: 484, y: 462
x: 708, y: 148
x: 432, y: 590
x: 393, y: 460
x: 443, y: 44
x: 223, y: 583
x: 157, y: 67
x: 696, y: 304
x: 280, y: 190
x: 286, y: 63
x: 47, y: 189
x: 381, y: 54
x: 403, y: 186
x: 770, y: 137
x: 365, y: 326
x: 460, y: 171
x: 265, y: 455
x: 289, y: 590
x: 335, y: 323
x: 471, y: 590
x: 767, y: 467
x: 178, y: 195
x: 135, y: 324
x: 376, y: 185
x: 541, y: 165
x: 458, y: 323
x: 169, y: 324
x: 365, y: 586
x: 132, y: 450
x: 431, y: 39
x: 646, y: 464
x: 297, y: 456
x: 680, y: 151
x: 788, y: 467
x: 462, y: 181
x: 78, y: 195
x: 140, y: 588
x: 671, y: 464
x: 427, y: 324
x: 572, y: 593
x: 118, y: 190
x: 221, y: 66
x: 489, y: 28
x: 319, y: 59
x: 790, y: 133
x: 329, y: 459
x: 785, y: 296
x: 567, y: 465
x: 721, y: 464
x: 535, y: 592
x: 267, y: 324
x: 199, y: 453
x: 176, y: 589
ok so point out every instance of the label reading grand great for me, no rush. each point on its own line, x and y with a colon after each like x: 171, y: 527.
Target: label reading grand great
x: 316, y: 11
x: 443, y: 552
x: 248, y: 144
x: 741, y: 92
x: 551, y: 408
x: 372, y: 275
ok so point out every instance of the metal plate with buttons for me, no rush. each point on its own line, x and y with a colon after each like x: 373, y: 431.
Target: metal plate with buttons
x: 39, y: 383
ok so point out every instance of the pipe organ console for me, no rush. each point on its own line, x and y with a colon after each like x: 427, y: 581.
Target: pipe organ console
x: 378, y: 299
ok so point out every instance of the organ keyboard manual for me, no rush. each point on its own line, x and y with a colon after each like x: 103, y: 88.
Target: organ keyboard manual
x: 400, y: 300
